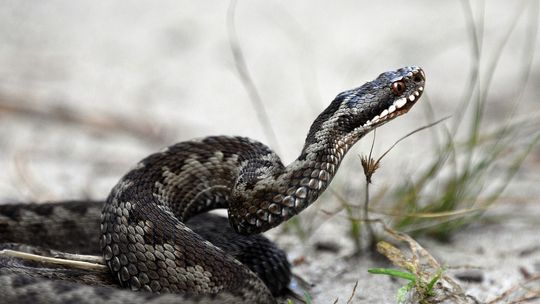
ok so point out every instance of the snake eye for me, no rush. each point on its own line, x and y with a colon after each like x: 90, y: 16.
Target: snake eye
x: 398, y: 87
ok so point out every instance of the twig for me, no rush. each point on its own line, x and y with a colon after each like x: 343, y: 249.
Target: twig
x: 369, y: 169
x: 247, y: 81
x: 353, y: 292
x: 94, y: 259
x: 419, y: 268
x: 77, y: 261
x: 438, y: 214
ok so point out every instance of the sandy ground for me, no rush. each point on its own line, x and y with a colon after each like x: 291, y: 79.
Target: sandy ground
x: 89, y: 88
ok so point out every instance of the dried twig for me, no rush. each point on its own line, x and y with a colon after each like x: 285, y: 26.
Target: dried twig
x: 92, y: 263
x: 425, y: 268
x: 352, y: 293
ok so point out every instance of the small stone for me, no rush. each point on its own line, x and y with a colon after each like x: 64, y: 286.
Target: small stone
x: 327, y: 246
x: 472, y: 276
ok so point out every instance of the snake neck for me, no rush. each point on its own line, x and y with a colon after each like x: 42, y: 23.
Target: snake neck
x: 277, y: 196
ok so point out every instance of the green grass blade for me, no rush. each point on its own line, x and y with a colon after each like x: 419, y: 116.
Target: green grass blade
x: 393, y: 273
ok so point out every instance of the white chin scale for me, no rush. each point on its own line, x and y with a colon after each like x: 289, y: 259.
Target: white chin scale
x: 398, y: 104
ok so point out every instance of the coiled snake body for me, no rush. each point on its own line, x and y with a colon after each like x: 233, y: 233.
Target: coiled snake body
x: 148, y: 247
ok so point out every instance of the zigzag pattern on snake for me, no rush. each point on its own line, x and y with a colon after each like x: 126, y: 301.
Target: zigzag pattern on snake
x: 145, y: 241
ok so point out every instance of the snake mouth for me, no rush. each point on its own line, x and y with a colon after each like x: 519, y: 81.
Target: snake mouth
x: 399, y: 107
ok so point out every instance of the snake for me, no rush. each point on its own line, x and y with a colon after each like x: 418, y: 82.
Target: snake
x: 143, y: 236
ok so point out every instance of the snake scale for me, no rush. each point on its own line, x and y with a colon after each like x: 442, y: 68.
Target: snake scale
x: 143, y: 234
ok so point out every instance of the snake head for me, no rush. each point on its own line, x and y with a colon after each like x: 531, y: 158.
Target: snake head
x: 376, y: 102
x: 353, y: 113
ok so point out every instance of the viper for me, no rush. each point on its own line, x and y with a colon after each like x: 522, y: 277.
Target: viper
x: 142, y: 230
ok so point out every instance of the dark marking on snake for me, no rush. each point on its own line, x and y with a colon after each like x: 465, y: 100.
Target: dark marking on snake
x: 143, y: 232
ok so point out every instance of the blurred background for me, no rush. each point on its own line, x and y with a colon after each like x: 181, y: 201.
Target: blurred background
x: 88, y: 88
